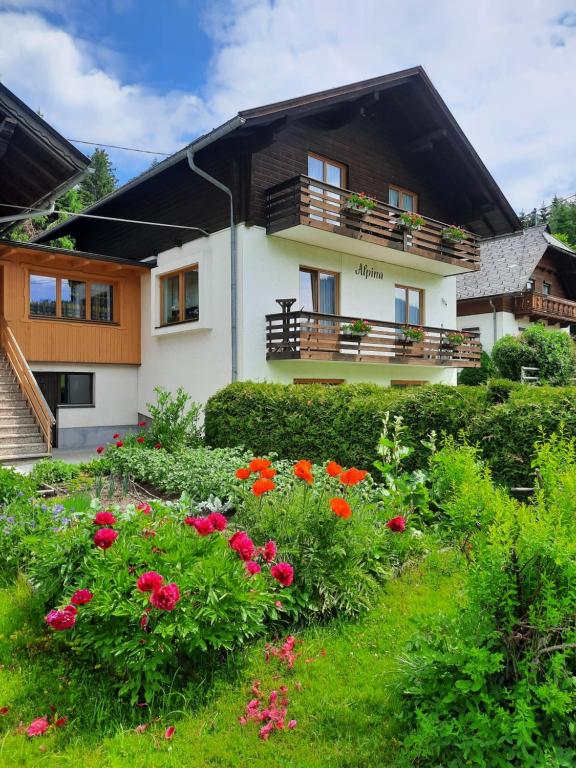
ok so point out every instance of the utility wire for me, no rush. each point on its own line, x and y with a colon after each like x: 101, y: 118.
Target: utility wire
x: 115, y: 146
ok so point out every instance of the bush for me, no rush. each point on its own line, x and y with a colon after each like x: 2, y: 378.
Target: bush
x: 472, y: 377
x: 494, y: 687
x: 510, y: 355
x: 175, y: 421
x: 499, y: 390
x: 53, y: 472
x: 550, y: 350
x: 13, y: 485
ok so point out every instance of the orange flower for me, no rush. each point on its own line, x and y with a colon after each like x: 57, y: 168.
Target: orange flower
x: 268, y: 473
x: 333, y: 469
x: 303, y: 470
x: 353, y: 476
x: 243, y: 473
x: 341, y: 508
x: 257, y: 465
x: 262, y: 486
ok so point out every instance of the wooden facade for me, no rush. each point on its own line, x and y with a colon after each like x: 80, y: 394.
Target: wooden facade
x: 46, y: 339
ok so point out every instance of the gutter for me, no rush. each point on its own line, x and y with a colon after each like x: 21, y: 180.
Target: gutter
x: 218, y: 133
x: 494, y: 321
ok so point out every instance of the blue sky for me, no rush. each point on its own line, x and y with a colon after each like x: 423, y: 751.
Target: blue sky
x: 154, y: 74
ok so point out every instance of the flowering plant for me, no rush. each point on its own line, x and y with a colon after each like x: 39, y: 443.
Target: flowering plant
x: 360, y: 202
x: 357, y: 328
x: 413, y: 334
x: 411, y: 220
x: 455, y: 339
x: 457, y: 234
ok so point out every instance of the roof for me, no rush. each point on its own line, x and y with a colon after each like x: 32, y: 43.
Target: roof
x: 507, y: 263
x: 427, y: 119
x: 36, y: 162
x: 14, y: 245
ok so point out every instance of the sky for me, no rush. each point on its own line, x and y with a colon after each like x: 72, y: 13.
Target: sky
x: 154, y: 75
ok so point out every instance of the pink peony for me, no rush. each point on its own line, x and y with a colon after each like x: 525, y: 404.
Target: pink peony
x: 292, y: 724
x: 283, y: 573
x: 166, y: 597
x: 269, y: 551
x: 242, y: 544
x: 149, y: 582
x: 146, y: 509
x: 252, y: 567
x: 81, y: 597
x: 397, y: 524
x: 218, y: 521
x: 203, y: 525
x: 105, y: 537
x: 37, y: 727
x: 169, y: 732
x: 104, y: 518
x: 62, y: 619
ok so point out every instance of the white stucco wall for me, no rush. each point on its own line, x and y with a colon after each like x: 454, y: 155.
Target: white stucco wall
x: 506, y: 324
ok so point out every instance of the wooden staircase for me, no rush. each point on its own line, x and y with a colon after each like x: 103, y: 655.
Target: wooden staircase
x: 25, y: 419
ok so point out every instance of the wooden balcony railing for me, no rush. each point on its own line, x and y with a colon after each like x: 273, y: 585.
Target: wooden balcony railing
x: 303, y: 200
x: 27, y: 383
x: 315, y: 336
x: 542, y: 305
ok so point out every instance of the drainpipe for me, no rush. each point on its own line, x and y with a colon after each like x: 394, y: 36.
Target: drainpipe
x: 190, y: 153
x: 24, y: 216
x: 494, y: 322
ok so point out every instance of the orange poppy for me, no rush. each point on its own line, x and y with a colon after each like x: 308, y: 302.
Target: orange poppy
x: 262, y: 486
x: 341, y: 508
x: 334, y: 469
x: 243, y: 473
x: 303, y: 471
x: 257, y: 465
x: 268, y: 473
x: 353, y: 476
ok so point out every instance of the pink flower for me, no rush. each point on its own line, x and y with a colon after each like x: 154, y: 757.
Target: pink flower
x: 37, y: 727
x: 283, y: 573
x: 166, y: 597
x: 266, y: 730
x: 100, y: 449
x: 104, y: 518
x: 278, y: 604
x: 243, y: 545
x: 203, y: 525
x: 141, y: 728
x: 218, y: 521
x: 61, y: 620
x: 81, y: 597
x: 397, y: 524
x: 252, y: 567
x: 149, y: 582
x: 292, y: 724
x: 105, y: 537
x: 169, y: 732
x: 146, y: 509
x: 269, y: 551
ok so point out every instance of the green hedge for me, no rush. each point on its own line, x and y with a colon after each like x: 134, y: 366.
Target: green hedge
x: 343, y: 423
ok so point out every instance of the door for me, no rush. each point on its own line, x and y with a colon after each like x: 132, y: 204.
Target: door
x: 329, y: 202
x: 49, y: 384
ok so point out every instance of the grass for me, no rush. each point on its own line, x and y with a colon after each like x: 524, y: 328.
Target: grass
x: 345, y: 708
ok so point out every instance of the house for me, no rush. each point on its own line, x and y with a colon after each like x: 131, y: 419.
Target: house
x: 256, y: 257
x: 525, y: 277
x: 69, y: 321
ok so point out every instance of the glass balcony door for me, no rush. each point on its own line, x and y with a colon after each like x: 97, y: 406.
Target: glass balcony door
x: 330, y: 172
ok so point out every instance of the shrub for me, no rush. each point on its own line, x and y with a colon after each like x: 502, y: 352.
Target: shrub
x: 175, y: 421
x: 510, y: 355
x: 548, y: 349
x: 13, y: 485
x: 499, y: 390
x: 472, y: 377
x: 53, y: 472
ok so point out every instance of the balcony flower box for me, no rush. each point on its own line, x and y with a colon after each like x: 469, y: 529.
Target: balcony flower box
x: 411, y: 222
x: 454, y: 234
x: 359, y: 203
x: 355, y: 331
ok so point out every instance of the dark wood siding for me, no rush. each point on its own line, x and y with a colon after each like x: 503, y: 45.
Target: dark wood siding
x: 547, y: 271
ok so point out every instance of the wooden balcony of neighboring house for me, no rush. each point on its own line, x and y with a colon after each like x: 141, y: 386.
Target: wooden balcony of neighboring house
x: 545, y: 307
x: 313, y: 212
x: 314, y: 336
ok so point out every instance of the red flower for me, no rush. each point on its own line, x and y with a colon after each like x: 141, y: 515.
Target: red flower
x: 262, y: 486
x: 283, y: 573
x: 100, y: 449
x: 397, y: 524
x: 61, y: 722
x: 140, y: 440
x: 37, y: 727
x: 158, y: 445
x: 169, y: 732
x: 4, y: 710
x: 242, y: 544
x: 62, y: 619
x: 268, y: 473
x: 144, y: 508
x: 303, y: 470
x: 269, y: 551
x: 81, y: 597
x: 105, y: 537
x: 104, y: 518
x: 144, y: 621
x: 252, y: 567
x: 203, y: 525
x: 116, y: 436
x: 166, y: 597
x: 149, y: 582
x: 243, y: 473
x: 341, y: 508
x: 333, y: 469
x: 218, y: 521
x: 352, y: 476
x: 141, y: 423
x: 119, y: 444
x: 257, y: 465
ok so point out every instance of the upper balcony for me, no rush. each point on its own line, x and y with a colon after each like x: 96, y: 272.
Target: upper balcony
x: 543, y: 306
x: 310, y: 211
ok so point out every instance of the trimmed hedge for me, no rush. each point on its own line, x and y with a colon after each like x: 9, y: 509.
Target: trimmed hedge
x: 343, y: 423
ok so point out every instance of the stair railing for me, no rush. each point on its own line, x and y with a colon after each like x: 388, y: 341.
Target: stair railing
x: 27, y: 382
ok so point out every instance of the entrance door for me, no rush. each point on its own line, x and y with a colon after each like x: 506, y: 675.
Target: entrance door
x: 50, y: 387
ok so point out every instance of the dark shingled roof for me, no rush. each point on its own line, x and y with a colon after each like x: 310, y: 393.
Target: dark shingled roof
x: 507, y: 262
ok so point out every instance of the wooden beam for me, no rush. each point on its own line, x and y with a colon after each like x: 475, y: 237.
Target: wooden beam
x: 7, y: 128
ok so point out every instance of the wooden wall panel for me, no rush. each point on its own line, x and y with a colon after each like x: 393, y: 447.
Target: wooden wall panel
x: 69, y: 341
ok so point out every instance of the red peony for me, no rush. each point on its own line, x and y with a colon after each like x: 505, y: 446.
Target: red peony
x: 257, y: 465
x: 144, y: 508
x: 100, y: 449
x: 203, y: 525
x: 37, y: 727
x: 303, y: 471
x: 166, y: 597
x: 252, y: 567
x: 140, y: 440
x: 283, y: 573
x: 341, y: 508
x: 243, y: 473
x: 104, y: 518
x: 62, y: 619
x: 158, y: 445
x: 116, y: 436
x: 141, y: 423
x: 243, y: 545
x: 262, y: 486
x: 397, y: 524
x: 119, y: 444
x: 149, y: 582
x: 218, y: 521
x: 269, y: 551
x: 333, y: 469
x: 81, y: 597
x: 105, y: 537
x: 352, y: 476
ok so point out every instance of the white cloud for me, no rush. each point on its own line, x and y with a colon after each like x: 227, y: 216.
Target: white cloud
x: 505, y: 68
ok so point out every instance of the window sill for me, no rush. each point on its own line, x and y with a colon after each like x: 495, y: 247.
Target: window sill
x: 184, y: 326
x: 44, y: 318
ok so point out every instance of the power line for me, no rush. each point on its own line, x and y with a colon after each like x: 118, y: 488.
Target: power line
x: 116, y: 146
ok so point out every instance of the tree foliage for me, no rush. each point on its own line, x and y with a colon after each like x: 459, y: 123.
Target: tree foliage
x: 551, y: 351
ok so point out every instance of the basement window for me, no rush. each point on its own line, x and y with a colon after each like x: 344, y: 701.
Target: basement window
x: 76, y: 389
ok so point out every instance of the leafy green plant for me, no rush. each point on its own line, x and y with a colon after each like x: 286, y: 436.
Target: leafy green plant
x: 454, y: 233
x: 54, y: 472
x: 472, y: 377
x: 175, y: 421
x: 357, y: 328
x: 360, y: 200
x: 413, y: 334
x: 12, y: 485
x: 411, y: 221
x: 455, y: 339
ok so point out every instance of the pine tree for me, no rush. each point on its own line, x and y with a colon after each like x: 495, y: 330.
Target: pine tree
x: 562, y: 220
x: 100, y: 181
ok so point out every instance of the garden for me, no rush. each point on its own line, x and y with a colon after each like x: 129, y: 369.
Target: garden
x: 310, y: 577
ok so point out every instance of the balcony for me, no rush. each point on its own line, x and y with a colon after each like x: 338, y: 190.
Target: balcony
x: 541, y: 305
x: 314, y: 336
x: 310, y: 211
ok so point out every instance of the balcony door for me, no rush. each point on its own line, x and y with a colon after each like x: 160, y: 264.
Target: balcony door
x: 328, y: 202
x: 319, y: 292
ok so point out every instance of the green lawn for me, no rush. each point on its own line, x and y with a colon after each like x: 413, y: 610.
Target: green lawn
x: 345, y: 708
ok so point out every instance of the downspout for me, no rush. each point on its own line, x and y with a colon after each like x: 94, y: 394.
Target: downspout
x: 494, y: 322
x: 24, y: 216
x: 190, y: 153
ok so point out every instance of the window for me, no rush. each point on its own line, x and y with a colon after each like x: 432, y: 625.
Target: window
x: 530, y: 285
x: 76, y: 389
x: 546, y: 289
x: 179, y: 296
x: 67, y: 299
x: 409, y: 305
x: 319, y: 291
x: 402, y: 198
x: 330, y: 172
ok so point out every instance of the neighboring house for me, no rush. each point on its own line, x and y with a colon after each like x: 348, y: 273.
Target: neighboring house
x: 72, y: 319
x: 525, y: 277
x: 269, y: 298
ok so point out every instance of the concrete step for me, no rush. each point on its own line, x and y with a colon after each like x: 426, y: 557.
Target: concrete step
x: 9, y: 389
x: 22, y: 421
x: 8, y: 397
x: 12, y: 405
x: 19, y: 457
x: 12, y: 450
x: 18, y: 438
x: 28, y: 428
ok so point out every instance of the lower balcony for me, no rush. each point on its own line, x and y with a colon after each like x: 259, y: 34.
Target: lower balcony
x: 545, y: 307
x: 315, y: 336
